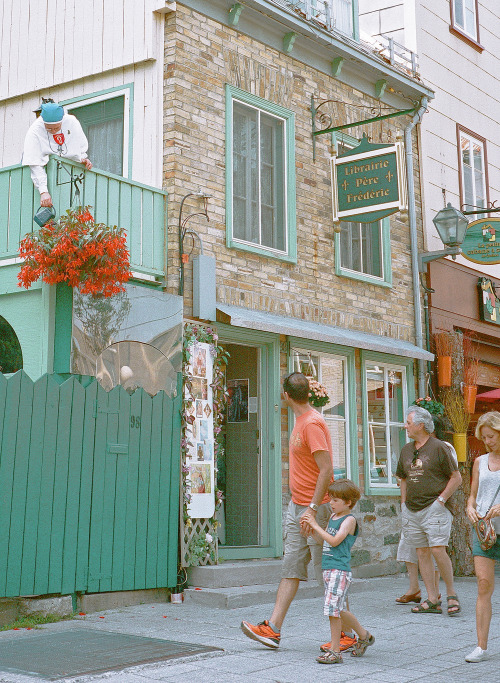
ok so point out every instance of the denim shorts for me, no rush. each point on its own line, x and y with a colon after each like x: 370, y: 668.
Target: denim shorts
x: 299, y: 550
x: 427, y: 528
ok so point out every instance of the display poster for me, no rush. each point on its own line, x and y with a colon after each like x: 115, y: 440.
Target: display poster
x: 200, y: 432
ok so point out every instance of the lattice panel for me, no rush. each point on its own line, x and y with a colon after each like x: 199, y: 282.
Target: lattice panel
x: 190, y: 534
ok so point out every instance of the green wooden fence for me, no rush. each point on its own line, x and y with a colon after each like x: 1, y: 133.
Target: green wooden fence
x: 89, y: 487
x: 140, y: 209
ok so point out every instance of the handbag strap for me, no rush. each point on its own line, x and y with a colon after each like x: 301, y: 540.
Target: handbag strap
x: 493, y: 500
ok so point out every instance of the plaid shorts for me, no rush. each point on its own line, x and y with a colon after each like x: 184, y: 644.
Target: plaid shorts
x: 337, y: 582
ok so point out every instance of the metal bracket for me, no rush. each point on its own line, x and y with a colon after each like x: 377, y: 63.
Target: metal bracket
x: 74, y: 180
x: 326, y: 118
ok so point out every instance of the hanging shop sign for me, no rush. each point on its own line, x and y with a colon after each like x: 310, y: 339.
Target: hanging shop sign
x: 369, y: 182
x: 482, y: 241
x: 200, y: 431
x: 489, y: 303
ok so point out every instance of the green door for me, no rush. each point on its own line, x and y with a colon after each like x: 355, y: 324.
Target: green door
x: 250, y: 475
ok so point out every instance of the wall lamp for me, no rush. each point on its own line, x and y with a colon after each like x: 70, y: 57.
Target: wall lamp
x: 183, y: 231
x: 451, y: 225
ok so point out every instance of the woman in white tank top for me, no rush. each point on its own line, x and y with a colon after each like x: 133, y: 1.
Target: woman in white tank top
x: 484, y: 496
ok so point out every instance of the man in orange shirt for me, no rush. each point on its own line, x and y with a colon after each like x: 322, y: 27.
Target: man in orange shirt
x: 310, y: 473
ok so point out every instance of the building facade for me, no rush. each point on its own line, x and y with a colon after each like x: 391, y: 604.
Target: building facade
x: 212, y: 104
x: 457, y: 45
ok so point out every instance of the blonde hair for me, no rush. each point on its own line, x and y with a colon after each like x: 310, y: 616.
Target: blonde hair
x: 491, y: 420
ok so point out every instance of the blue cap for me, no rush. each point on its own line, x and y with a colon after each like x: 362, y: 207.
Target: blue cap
x: 52, y: 112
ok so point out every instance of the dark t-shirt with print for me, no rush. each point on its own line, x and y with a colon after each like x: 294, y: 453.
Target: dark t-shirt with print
x: 427, y: 478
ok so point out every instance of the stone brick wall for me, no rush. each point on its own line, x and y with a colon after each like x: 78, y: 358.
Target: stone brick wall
x: 201, y: 56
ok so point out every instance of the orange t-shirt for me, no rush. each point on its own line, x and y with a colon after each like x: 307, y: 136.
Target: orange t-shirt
x: 309, y: 435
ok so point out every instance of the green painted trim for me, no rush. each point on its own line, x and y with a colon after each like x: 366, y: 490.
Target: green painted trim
x: 291, y: 255
x: 106, y: 91
x: 234, y: 14
x: 271, y: 426
x: 63, y: 328
x: 386, y: 281
x: 350, y: 354
x: 288, y: 41
x: 380, y: 87
x: 337, y: 64
x: 407, y: 363
x: 355, y: 19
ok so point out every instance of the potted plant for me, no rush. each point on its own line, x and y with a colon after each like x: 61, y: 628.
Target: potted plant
x: 90, y: 256
x: 459, y: 417
x: 434, y: 407
x: 471, y: 372
x: 443, y: 342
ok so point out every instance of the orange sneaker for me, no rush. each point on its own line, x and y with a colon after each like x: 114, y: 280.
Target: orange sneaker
x: 262, y: 633
x: 346, y: 643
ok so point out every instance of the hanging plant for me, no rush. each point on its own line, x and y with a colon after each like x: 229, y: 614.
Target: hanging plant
x: 434, y: 407
x: 318, y: 394
x: 90, y: 256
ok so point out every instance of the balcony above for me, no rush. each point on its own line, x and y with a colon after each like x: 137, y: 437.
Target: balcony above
x: 140, y: 209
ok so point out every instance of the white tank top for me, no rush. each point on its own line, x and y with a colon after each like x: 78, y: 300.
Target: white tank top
x: 488, y: 484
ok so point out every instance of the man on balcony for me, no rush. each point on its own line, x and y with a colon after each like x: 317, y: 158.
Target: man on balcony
x: 53, y: 132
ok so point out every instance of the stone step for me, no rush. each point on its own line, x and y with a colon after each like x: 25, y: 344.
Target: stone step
x: 231, y: 597
x: 235, y: 574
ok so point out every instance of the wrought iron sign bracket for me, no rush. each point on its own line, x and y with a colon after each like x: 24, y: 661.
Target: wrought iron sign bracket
x: 326, y: 118
x: 75, y: 180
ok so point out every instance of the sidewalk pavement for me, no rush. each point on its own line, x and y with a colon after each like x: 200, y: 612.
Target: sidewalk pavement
x: 408, y: 647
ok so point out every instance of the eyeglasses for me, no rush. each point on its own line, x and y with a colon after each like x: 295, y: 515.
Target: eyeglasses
x: 415, y: 456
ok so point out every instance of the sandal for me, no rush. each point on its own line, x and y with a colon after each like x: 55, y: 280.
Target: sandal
x: 453, y: 610
x: 330, y: 657
x: 409, y: 597
x: 360, y: 647
x: 432, y: 608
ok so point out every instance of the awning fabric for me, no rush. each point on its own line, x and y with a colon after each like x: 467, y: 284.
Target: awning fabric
x: 493, y: 395
x: 293, y: 327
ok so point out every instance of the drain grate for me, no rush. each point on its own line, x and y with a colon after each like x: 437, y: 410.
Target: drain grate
x: 76, y: 652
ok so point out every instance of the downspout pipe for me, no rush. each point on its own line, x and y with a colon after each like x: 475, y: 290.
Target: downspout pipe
x: 412, y: 219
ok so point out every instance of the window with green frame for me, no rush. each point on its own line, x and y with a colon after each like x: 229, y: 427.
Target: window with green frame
x: 103, y: 124
x: 387, y: 393
x: 260, y: 176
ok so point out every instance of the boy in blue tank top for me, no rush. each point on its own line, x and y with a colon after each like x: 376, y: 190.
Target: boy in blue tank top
x: 338, y: 539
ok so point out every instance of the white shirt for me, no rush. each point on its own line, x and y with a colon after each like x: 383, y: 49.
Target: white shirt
x: 39, y: 144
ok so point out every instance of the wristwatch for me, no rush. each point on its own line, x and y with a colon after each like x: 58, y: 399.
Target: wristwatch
x: 314, y: 507
x: 441, y: 499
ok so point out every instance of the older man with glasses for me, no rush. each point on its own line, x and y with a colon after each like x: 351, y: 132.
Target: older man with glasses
x: 429, y: 476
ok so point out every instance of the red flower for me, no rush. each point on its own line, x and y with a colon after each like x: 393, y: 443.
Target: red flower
x: 90, y: 256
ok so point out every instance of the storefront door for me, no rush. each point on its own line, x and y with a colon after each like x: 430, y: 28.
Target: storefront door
x: 248, y: 473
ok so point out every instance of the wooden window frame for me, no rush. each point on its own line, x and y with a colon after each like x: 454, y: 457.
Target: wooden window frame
x: 461, y: 129
x: 459, y: 32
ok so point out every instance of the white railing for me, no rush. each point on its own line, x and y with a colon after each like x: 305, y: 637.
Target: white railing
x: 331, y: 14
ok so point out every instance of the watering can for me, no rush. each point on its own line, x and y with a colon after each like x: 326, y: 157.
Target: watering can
x: 44, y: 215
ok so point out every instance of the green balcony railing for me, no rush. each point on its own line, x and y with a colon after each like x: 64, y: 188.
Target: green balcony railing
x: 140, y: 209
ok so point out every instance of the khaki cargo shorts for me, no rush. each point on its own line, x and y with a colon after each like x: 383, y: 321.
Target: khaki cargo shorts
x: 299, y: 550
x: 427, y: 528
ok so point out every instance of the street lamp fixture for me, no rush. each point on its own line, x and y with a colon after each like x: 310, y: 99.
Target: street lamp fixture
x: 451, y: 225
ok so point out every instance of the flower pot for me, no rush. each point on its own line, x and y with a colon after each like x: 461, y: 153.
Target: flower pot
x: 460, y: 445
x: 470, y: 398
x: 444, y: 371
x: 177, y: 598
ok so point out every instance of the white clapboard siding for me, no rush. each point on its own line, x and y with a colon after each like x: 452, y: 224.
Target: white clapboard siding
x: 49, y: 42
x: 16, y: 115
